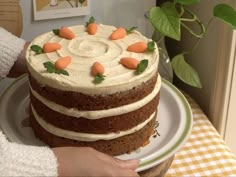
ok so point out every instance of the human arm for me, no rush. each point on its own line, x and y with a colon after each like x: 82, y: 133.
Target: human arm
x: 11, y: 53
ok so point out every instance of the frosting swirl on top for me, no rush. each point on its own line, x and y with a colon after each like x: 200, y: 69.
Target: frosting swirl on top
x: 86, y: 49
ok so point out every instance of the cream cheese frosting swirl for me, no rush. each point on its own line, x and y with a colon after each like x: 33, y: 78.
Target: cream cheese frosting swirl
x: 86, y: 49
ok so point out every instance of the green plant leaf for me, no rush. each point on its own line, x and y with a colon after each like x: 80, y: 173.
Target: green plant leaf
x: 142, y: 66
x: 166, y: 20
x: 37, y: 49
x: 185, y: 72
x: 226, y: 13
x: 187, y: 2
x: 98, y: 79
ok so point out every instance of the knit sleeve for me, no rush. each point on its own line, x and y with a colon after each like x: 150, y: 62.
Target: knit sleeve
x: 25, y: 160
x: 10, y: 48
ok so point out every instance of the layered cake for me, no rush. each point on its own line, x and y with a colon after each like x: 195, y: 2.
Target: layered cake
x: 95, y: 87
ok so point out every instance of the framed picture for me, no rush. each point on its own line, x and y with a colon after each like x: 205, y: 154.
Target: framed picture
x: 50, y: 9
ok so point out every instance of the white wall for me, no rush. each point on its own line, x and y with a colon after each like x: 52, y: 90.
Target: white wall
x: 125, y: 13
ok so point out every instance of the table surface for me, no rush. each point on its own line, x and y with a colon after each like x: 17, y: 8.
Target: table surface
x: 204, y: 154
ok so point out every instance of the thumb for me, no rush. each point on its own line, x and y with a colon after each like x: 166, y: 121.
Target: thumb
x: 129, y: 164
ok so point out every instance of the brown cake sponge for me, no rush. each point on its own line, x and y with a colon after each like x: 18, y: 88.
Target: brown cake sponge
x: 93, y: 102
x: 116, y: 146
x: 103, y: 125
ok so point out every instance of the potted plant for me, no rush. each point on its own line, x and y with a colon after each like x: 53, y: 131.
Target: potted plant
x: 169, y: 18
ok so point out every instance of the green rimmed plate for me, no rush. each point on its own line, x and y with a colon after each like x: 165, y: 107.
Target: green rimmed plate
x: 174, y: 117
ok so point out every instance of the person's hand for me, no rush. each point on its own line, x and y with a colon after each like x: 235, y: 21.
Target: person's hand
x: 87, y: 162
x: 19, y: 66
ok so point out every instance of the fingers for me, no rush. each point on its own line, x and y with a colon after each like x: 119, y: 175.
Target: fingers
x: 122, y: 167
x: 129, y: 164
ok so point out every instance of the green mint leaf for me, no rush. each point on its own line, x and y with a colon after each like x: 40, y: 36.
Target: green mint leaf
x: 49, y: 66
x: 98, y: 79
x: 51, y: 69
x: 61, y: 71
x: 37, y: 49
x: 225, y: 13
x: 91, y: 20
x: 185, y: 72
x: 151, y: 46
x: 166, y: 20
x: 56, y: 31
x: 131, y: 29
x: 142, y: 66
x: 187, y: 2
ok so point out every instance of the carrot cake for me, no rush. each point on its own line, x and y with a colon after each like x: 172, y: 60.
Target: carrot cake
x: 94, y: 86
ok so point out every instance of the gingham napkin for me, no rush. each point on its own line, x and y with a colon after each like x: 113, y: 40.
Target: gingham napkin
x: 205, y: 153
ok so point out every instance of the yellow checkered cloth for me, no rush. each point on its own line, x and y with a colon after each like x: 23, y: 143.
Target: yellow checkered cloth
x: 205, y: 152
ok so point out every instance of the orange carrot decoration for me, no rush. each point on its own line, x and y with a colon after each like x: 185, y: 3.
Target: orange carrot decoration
x: 97, y: 68
x: 62, y: 63
x: 119, y: 33
x: 138, y: 47
x: 130, y: 63
x: 91, y: 26
x: 64, y: 32
x: 51, y: 47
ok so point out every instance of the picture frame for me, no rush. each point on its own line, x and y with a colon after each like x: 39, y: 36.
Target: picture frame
x: 51, y: 9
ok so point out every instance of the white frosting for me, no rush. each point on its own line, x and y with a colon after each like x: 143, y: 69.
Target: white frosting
x: 99, y: 113
x: 85, y: 50
x: 87, y: 136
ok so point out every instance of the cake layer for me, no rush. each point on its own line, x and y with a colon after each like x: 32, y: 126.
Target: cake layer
x: 88, y: 137
x: 113, y: 147
x: 103, y: 125
x: 86, y: 49
x: 97, y: 114
x: 93, y: 102
x: 92, y: 90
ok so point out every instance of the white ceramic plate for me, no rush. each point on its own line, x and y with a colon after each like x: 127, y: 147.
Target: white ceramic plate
x: 174, y: 117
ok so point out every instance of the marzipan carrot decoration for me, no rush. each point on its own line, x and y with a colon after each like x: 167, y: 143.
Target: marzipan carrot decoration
x: 141, y: 47
x: 47, y: 48
x: 92, y: 27
x: 98, y: 71
x: 130, y: 63
x: 120, y: 33
x: 64, y: 32
x: 62, y: 63
x: 97, y: 68
x: 51, y: 47
x: 138, y: 47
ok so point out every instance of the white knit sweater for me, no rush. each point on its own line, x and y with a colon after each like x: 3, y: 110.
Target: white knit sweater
x: 17, y: 159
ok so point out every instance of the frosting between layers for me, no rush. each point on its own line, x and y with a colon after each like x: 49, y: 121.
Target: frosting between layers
x: 100, y: 113
x: 86, y: 136
x: 85, y: 50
